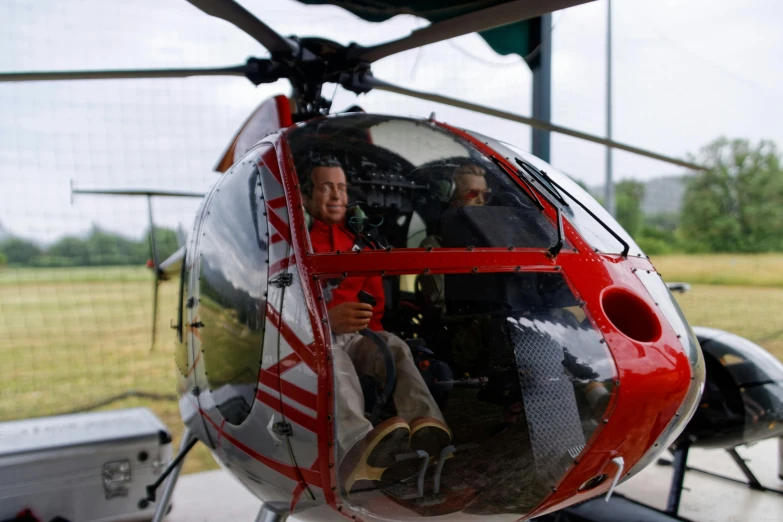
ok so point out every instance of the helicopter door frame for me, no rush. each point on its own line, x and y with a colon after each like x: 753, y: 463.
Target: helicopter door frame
x: 313, y: 310
x: 293, y: 370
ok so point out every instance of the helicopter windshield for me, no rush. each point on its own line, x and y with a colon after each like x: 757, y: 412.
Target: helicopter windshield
x: 600, y: 230
x: 410, y: 184
x: 523, y: 380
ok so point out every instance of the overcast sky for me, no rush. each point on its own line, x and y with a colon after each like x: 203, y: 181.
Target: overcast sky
x: 685, y: 72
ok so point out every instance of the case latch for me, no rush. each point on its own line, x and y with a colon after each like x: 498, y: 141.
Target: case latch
x: 116, y: 477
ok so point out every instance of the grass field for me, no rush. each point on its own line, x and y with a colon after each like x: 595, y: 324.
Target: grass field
x: 73, y: 337
x: 723, y: 269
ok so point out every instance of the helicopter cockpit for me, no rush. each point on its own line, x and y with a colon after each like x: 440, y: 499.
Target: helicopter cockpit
x: 404, y: 185
x: 510, y: 354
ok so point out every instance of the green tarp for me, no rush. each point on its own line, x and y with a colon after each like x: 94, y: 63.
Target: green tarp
x: 519, y: 38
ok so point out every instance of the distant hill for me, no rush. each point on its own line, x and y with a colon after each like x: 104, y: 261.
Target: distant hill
x: 664, y: 195
x: 3, y: 233
x: 661, y: 195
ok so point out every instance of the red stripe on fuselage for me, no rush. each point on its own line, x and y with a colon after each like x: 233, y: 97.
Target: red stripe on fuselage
x: 285, y: 364
x: 277, y: 222
x: 276, y: 203
x: 310, y: 476
x: 281, y: 265
x: 291, y: 413
x: 303, y: 351
x: 291, y: 390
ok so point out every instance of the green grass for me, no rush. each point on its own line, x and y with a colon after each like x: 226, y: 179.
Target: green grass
x: 765, y: 270
x: 72, y: 337
x: 13, y: 276
x: 752, y: 312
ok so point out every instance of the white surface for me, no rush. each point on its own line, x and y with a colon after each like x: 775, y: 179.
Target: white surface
x: 77, y: 429
x: 707, y: 498
x: 217, y: 496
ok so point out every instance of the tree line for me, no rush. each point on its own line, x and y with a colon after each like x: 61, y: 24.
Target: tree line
x: 735, y: 205
x: 97, y: 248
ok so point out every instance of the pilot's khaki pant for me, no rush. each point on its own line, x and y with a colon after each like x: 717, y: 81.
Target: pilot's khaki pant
x: 354, y: 354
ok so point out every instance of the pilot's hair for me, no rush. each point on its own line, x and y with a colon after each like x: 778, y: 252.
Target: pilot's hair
x: 314, y: 161
x: 468, y: 169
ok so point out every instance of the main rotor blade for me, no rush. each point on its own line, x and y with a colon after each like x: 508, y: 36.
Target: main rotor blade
x: 503, y: 14
x: 238, y: 70
x: 232, y: 12
x: 139, y: 192
x: 533, y: 122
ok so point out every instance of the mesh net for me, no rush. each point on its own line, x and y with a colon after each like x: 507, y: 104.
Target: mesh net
x: 75, y: 298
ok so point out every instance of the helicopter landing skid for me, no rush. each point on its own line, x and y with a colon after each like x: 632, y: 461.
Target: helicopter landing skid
x: 680, y: 467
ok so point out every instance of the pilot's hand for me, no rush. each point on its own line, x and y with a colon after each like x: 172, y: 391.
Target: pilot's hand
x: 350, y: 317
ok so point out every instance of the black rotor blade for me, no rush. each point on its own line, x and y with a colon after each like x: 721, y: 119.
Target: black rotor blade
x: 533, y: 122
x: 155, y: 285
x: 239, y: 70
x: 234, y: 13
x: 503, y: 14
x: 156, y: 268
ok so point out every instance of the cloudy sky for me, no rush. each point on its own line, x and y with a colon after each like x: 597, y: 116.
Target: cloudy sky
x: 685, y: 72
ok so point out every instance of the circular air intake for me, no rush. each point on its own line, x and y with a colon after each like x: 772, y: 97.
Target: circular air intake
x: 631, y: 315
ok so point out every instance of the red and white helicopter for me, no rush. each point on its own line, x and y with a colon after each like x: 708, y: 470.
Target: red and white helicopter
x: 554, y: 352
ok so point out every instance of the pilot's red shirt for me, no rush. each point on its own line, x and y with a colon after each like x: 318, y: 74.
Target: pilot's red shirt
x: 330, y: 238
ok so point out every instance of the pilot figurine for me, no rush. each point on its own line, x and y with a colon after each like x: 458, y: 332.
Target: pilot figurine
x: 366, y: 452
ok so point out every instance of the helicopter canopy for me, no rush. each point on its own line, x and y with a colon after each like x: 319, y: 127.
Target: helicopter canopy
x: 407, y: 187
x: 412, y: 184
x: 520, y: 373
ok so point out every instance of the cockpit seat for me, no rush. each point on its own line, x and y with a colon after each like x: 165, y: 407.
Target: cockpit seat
x: 437, y: 375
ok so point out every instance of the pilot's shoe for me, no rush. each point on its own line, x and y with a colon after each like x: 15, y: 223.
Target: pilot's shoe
x: 429, y: 434
x: 370, y: 457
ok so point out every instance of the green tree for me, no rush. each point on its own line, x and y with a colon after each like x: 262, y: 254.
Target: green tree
x: 68, y: 251
x: 165, y: 241
x: 736, y: 205
x: 3, y: 260
x: 628, y: 201
x: 104, y: 248
x: 666, y: 222
x: 19, y: 251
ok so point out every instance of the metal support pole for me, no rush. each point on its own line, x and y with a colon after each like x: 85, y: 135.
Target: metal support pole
x: 163, y: 505
x: 609, y: 202
x: 780, y: 458
x: 665, y: 462
x: 675, y: 490
x: 753, y: 482
x: 540, y: 62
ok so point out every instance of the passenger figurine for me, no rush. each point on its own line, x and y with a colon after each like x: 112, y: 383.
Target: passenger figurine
x: 469, y: 184
x: 470, y: 187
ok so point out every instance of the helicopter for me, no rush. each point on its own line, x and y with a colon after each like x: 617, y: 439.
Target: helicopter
x: 559, y: 360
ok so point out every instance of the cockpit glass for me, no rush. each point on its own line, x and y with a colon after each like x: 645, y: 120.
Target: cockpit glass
x: 509, y: 362
x: 410, y: 184
x: 592, y: 230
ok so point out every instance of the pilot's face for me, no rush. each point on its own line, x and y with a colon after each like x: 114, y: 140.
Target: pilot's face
x: 330, y: 195
x: 470, y: 191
